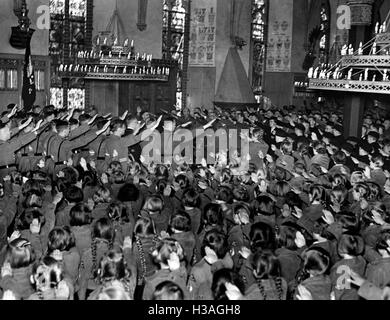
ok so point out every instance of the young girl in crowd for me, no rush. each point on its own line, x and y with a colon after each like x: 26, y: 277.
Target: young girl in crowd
x: 283, y: 220
x: 102, y: 241
x: 113, y: 272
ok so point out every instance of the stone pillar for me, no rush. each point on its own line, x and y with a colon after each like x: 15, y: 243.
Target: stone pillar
x: 361, y: 18
x: 353, y: 115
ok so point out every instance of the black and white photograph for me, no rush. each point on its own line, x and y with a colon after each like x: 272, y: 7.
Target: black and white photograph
x: 211, y: 152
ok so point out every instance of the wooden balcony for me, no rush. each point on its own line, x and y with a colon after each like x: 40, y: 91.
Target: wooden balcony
x: 376, y: 87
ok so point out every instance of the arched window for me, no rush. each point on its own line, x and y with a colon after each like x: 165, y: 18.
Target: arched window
x: 325, y: 32
x: 175, y: 38
x: 258, y: 45
x: 67, y: 37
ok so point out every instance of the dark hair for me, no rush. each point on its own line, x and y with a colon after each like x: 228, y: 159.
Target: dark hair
x: 375, y: 193
x: 168, y: 290
x: 220, y: 278
x: 240, y: 193
x: 262, y: 236
x: 213, y: 215
x: 266, y: 267
x: 183, y: 181
x: 128, y: 192
x: 102, y: 230
x: 287, y: 235
x: 116, y: 124
x: 316, y: 261
x: 224, y: 194
x: 73, y: 194
x: 164, y: 249
x: 144, y: 227
x: 265, y: 264
x: 20, y: 253
x: 181, y: 221
x: 113, y: 266
x: 118, y: 212
x: 350, y: 244
x: 80, y: 215
x: 60, y: 238
x: 340, y: 157
x: 28, y: 216
x: 216, y: 241
x: 191, y: 198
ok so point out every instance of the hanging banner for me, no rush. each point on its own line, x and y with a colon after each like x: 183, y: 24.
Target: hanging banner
x: 202, y: 34
x: 280, y: 36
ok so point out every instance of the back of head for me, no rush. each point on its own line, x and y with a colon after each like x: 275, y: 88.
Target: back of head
x: 265, y: 265
x: 144, y: 227
x: 216, y: 241
x: 20, y: 253
x: 168, y: 290
x: 316, y: 261
x: 262, y: 236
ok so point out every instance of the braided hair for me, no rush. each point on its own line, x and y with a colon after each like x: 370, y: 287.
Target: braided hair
x: 103, y: 231
x: 144, y: 228
x: 266, y: 266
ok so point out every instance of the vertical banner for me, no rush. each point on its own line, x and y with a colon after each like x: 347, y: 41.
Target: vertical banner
x: 280, y: 36
x: 202, y: 34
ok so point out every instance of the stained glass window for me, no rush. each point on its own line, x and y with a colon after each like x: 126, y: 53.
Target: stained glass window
x: 39, y: 80
x: 12, y: 79
x: 57, y: 97
x: 57, y: 7
x: 77, y: 8
x: 258, y: 44
x: 76, y: 98
x: 2, y: 79
x: 174, y: 35
x: 325, y: 32
x: 74, y: 21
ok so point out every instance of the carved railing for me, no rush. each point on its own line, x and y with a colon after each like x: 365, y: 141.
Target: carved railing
x: 114, y: 76
x: 378, y: 87
x: 366, y: 61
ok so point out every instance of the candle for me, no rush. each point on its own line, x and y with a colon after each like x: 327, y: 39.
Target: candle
x: 105, y: 41
x: 98, y: 41
x: 132, y: 43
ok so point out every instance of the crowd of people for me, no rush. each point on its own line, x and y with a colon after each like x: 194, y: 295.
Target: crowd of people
x: 83, y: 216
